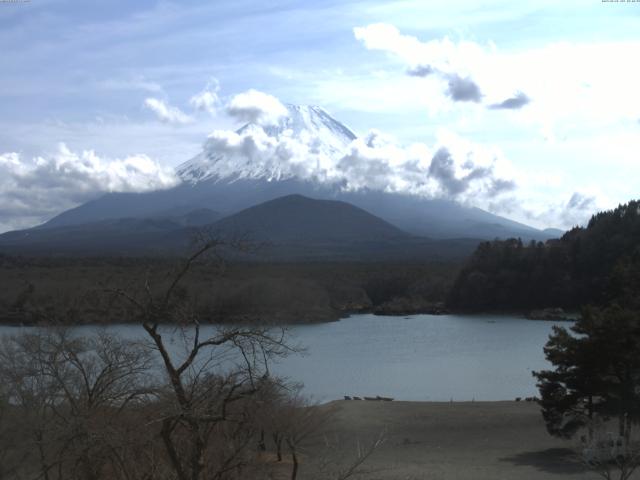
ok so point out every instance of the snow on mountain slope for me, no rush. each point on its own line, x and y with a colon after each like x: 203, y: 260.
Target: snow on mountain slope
x: 421, y: 190
x: 309, y: 145
x: 307, y: 138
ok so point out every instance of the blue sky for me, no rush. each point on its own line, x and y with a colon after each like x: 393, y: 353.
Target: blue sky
x: 82, y: 73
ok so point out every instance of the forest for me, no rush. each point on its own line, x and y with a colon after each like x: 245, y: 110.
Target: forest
x: 593, y: 265
x: 62, y: 290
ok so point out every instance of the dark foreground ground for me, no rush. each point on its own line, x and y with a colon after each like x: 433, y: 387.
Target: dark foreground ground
x: 471, y: 440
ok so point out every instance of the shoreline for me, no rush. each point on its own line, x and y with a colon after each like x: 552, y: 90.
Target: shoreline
x: 11, y: 319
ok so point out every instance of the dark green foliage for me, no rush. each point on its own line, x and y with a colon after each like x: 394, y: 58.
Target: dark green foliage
x: 596, y: 371
x: 593, y: 265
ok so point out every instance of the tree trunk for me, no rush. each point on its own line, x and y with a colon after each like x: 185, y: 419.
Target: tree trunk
x: 627, y: 430
x: 590, y: 414
x: 197, y: 460
x: 294, y: 459
x: 167, y: 428
x: 621, y: 425
x: 43, y: 462
x: 277, y: 439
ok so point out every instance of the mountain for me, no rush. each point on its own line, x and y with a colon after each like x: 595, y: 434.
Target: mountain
x: 123, y: 236
x: 330, y: 138
x: 119, y: 236
x: 289, y: 228
x: 298, y: 219
x: 226, y: 183
x: 298, y: 228
x: 554, y: 232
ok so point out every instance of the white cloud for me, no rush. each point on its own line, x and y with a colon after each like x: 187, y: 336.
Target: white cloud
x: 518, y: 100
x: 566, y: 110
x: 578, y: 209
x: 256, y: 107
x: 166, y: 113
x: 33, y: 191
x: 452, y: 168
x: 442, y: 55
x: 207, y: 100
x: 589, y: 84
x: 575, y: 211
x: 450, y: 63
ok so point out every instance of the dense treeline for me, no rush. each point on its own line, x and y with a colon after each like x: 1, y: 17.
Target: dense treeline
x: 597, y: 264
x: 71, y: 290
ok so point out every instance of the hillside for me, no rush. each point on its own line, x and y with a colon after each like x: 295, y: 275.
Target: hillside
x: 289, y: 228
x: 299, y: 219
x: 121, y: 236
x: 596, y: 264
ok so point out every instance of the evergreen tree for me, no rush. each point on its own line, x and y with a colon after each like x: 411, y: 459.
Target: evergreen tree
x: 598, y: 265
x: 596, y: 371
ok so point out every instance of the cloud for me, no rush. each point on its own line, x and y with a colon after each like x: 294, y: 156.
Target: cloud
x: 444, y: 59
x: 539, y: 209
x: 420, y: 71
x: 33, y: 191
x: 463, y: 89
x: 458, y: 170
x: 578, y: 209
x: 500, y: 186
x: 581, y: 89
x: 376, y: 162
x: 574, y: 212
x: 166, y: 113
x: 519, y: 100
x: 256, y: 107
x: 443, y: 169
x: 437, y: 55
x: 207, y: 100
x: 443, y: 55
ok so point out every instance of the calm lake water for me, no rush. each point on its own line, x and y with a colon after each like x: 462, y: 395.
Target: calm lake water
x: 420, y: 357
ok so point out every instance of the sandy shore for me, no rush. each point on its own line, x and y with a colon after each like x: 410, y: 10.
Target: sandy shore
x: 470, y: 440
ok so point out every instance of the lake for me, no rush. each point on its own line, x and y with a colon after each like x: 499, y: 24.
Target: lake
x: 419, y: 357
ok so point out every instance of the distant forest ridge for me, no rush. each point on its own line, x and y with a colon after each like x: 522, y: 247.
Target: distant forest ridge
x: 595, y: 265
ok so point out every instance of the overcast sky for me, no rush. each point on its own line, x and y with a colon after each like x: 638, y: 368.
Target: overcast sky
x: 111, y: 95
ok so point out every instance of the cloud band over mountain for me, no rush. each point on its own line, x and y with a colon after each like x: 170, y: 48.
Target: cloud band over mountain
x: 33, y: 191
x: 452, y: 168
x: 282, y: 142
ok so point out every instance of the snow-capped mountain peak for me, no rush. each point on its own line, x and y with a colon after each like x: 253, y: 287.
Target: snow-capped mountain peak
x: 306, y: 138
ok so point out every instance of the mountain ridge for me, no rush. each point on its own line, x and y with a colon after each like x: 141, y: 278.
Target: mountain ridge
x: 229, y: 184
x: 289, y: 228
x: 295, y: 217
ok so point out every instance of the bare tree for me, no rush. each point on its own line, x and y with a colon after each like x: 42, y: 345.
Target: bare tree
x: 69, y: 391
x: 612, y: 456
x: 11, y: 455
x: 301, y: 428
x: 100, y: 407
x: 334, y: 467
x: 210, y: 380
